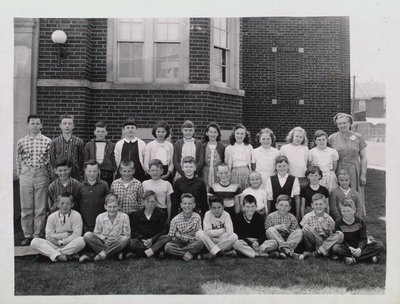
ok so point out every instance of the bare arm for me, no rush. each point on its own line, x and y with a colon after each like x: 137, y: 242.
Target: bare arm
x: 364, y: 163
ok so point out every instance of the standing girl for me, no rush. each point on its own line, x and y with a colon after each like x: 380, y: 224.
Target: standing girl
x: 326, y: 159
x: 160, y: 149
x: 263, y: 157
x: 238, y: 155
x: 296, y: 151
x: 213, y: 152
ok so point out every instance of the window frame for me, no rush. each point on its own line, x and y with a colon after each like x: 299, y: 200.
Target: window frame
x: 149, y: 47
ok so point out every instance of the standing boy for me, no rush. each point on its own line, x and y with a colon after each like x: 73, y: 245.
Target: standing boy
x: 319, y: 229
x: 249, y: 227
x: 33, y: 170
x: 227, y: 191
x: 131, y: 148
x: 63, y: 183
x: 102, y: 150
x: 68, y: 146
x: 91, y: 194
x: 189, y: 183
x: 282, y: 227
x: 183, y: 230
x: 355, y: 247
x: 128, y: 189
x: 111, y: 233
x: 217, y: 236
x: 162, y: 188
x: 63, y: 232
x: 187, y: 146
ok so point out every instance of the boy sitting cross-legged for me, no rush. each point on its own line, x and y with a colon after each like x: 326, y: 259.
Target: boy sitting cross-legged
x: 111, y: 233
x: 318, y: 229
x: 148, y: 228
x: 183, y: 230
x: 217, y: 235
x: 355, y: 247
x: 249, y: 226
x: 282, y: 227
x: 63, y: 232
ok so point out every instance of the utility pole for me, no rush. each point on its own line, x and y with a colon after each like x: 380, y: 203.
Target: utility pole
x: 354, y: 95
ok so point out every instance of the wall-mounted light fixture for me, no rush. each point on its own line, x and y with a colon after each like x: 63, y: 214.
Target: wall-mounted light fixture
x: 59, y: 38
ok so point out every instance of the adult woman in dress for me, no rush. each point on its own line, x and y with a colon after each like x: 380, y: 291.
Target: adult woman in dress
x: 352, y: 153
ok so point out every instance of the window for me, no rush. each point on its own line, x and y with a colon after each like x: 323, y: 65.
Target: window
x: 225, y: 52
x: 150, y: 50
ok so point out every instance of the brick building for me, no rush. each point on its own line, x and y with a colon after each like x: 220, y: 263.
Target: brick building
x: 277, y: 72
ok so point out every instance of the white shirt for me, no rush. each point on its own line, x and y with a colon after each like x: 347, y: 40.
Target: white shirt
x: 100, y: 146
x: 238, y: 155
x: 218, y: 225
x: 120, y: 143
x: 265, y: 161
x: 261, y: 197
x: 298, y: 157
x: 162, y: 151
x: 323, y: 158
x: 161, y: 187
x: 282, y: 181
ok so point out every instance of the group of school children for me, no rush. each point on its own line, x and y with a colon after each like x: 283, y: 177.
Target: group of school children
x: 190, y: 200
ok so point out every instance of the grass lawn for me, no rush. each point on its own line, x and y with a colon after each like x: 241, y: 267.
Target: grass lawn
x: 224, y: 275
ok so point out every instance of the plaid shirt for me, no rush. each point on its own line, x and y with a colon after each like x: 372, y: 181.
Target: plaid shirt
x: 33, y: 152
x: 324, y: 225
x: 183, y: 226
x: 72, y: 150
x: 110, y: 231
x: 287, y: 219
x: 130, y: 198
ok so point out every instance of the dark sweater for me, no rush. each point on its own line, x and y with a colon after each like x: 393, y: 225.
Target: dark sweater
x: 355, y: 234
x: 254, y: 229
x: 194, y: 186
x: 143, y: 228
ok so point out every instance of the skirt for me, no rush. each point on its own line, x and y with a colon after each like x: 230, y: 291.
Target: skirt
x: 329, y: 181
x: 240, y: 176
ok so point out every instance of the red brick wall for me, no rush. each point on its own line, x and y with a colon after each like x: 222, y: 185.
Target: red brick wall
x: 320, y: 75
x: 199, y: 50
x: 98, y: 49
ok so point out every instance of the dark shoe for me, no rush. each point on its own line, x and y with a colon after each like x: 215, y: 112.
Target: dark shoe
x: 84, y: 259
x: 74, y: 257
x: 209, y: 256
x: 297, y: 256
x: 41, y: 258
x: 161, y: 255
x: 26, y: 242
x: 273, y: 254
x: 130, y: 255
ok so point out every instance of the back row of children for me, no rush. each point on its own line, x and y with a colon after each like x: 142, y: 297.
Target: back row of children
x: 227, y: 172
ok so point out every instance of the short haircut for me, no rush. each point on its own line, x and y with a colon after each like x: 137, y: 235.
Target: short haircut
x: 215, y: 126
x: 127, y: 163
x: 33, y: 116
x: 149, y: 193
x: 266, y: 131
x: 347, y: 202
x: 66, y: 116
x: 156, y: 162
x: 246, y: 139
x: 317, y: 197
x: 283, y: 197
x: 188, y: 160
x: 110, y: 198
x: 91, y: 162
x: 279, y: 159
x: 222, y: 165
x: 66, y: 194
x: 187, y: 124
x: 249, y: 199
x: 289, y: 137
x: 254, y: 173
x: 130, y: 122
x: 187, y: 195
x: 343, y: 172
x: 161, y: 124
x: 320, y: 133
x: 100, y: 124
x: 313, y: 170
x: 341, y: 115
x: 216, y: 199
x: 63, y: 162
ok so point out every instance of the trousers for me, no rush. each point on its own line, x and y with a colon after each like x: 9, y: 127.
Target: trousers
x: 137, y: 246
x: 52, y: 251
x: 245, y: 249
x: 370, y: 250
x: 217, y: 244
x: 110, y: 248
x: 178, y: 247
x: 292, y: 241
x: 313, y: 240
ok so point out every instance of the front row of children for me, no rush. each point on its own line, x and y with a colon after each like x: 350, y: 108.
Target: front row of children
x: 249, y: 235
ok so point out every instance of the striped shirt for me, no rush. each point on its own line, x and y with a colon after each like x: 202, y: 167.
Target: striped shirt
x: 33, y: 152
x: 185, y: 226
x: 130, y: 197
x: 288, y: 219
x: 226, y: 193
x: 72, y: 150
x: 56, y: 188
